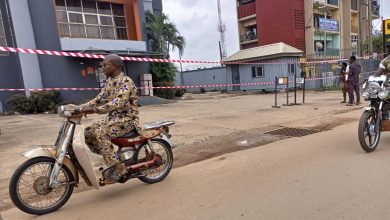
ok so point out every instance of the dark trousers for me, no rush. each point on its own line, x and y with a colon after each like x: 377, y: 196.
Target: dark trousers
x: 353, y: 88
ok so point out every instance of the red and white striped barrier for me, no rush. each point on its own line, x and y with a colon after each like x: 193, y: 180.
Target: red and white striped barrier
x: 170, y: 87
x: 145, y: 88
x: 138, y: 59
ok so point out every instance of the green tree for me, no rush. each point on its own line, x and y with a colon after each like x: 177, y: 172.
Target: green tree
x: 377, y: 44
x: 163, y: 34
x: 163, y: 37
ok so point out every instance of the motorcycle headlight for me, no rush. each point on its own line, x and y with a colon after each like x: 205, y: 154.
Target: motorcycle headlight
x: 366, y: 95
x: 374, y: 87
x: 382, y: 94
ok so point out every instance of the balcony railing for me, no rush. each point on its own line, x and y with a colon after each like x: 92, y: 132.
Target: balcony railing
x: 246, y: 10
x: 330, y: 53
x: 326, y: 2
x: 248, y: 38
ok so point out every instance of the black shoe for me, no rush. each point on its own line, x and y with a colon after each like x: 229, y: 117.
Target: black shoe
x: 118, y: 172
x: 114, y: 177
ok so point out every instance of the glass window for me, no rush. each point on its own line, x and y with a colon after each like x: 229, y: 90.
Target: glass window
x: 106, y: 20
x: 64, y: 29
x: 107, y: 32
x: 91, y: 19
x: 258, y: 71
x: 3, y: 41
x: 76, y: 18
x: 291, y: 69
x: 77, y: 31
x: 93, y: 31
x: 120, y: 22
x: 104, y: 8
x: 73, y: 5
x: 89, y: 7
x: 62, y: 16
x: 60, y: 5
x: 118, y: 10
x: 121, y: 33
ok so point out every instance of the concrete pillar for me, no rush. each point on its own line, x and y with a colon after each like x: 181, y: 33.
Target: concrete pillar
x: 309, y: 29
x: 24, y: 36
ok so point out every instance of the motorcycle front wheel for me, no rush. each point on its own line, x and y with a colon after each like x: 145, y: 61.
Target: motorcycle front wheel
x: 369, y: 135
x: 29, y: 187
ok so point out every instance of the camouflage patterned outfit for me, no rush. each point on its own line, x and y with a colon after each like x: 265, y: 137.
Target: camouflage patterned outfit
x: 385, y: 64
x: 119, y: 99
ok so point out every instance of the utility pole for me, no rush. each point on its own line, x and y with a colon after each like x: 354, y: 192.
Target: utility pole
x: 370, y: 27
x: 325, y: 43
x: 221, y: 30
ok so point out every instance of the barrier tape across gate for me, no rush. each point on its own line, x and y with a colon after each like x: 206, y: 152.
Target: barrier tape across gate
x: 138, y: 59
x: 161, y: 87
x: 170, y: 87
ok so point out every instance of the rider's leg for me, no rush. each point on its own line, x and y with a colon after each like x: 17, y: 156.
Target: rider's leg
x: 103, y: 136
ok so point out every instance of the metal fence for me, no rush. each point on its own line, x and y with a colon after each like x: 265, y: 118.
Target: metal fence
x: 319, y: 75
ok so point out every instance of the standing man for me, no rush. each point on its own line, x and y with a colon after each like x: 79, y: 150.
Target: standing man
x: 118, y: 99
x: 353, y: 71
x: 343, y: 80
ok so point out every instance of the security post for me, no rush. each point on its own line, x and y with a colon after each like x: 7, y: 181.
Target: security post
x: 301, y: 81
x: 276, y: 93
x: 284, y: 81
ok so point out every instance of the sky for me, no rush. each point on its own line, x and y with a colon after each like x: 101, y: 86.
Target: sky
x: 197, y: 21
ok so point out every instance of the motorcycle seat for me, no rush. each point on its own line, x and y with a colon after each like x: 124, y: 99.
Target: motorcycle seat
x: 131, y: 134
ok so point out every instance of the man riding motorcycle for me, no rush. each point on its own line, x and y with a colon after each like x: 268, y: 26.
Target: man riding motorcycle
x: 384, y: 67
x: 119, y: 99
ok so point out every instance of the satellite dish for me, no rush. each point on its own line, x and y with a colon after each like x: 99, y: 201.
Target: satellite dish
x: 319, y: 45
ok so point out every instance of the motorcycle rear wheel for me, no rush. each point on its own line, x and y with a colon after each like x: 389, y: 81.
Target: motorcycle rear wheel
x: 31, y: 179
x: 367, y: 132
x: 156, y: 174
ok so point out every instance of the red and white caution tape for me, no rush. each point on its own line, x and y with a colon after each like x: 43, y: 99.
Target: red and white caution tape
x: 141, y: 88
x: 172, y: 87
x: 139, y: 59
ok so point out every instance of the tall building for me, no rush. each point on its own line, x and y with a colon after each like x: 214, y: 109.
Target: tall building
x: 91, y: 26
x: 319, y: 27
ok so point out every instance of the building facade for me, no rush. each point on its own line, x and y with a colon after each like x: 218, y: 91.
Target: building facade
x: 320, y: 28
x: 91, y: 26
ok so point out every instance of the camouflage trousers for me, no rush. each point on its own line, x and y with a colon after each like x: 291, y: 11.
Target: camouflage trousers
x: 98, y: 137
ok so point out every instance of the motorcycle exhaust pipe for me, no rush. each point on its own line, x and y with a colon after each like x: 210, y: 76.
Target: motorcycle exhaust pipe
x: 145, y: 164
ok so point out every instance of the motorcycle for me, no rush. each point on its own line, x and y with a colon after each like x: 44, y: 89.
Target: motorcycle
x: 376, y: 116
x: 45, y: 182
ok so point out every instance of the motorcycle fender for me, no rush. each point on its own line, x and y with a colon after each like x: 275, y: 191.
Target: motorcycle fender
x: 165, y: 138
x: 368, y: 108
x: 52, y: 152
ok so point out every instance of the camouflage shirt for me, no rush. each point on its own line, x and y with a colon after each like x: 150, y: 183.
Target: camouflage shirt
x: 118, y: 98
x: 385, y: 64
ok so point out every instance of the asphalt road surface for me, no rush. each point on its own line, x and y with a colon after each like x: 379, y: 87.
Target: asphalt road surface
x: 321, y: 176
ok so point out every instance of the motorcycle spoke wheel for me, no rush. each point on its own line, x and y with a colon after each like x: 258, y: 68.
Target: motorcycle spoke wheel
x: 165, y: 160
x: 37, y: 176
x: 30, y: 191
x: 367, y: 132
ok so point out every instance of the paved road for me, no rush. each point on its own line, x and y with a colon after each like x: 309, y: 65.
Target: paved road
x: 320, y: 176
